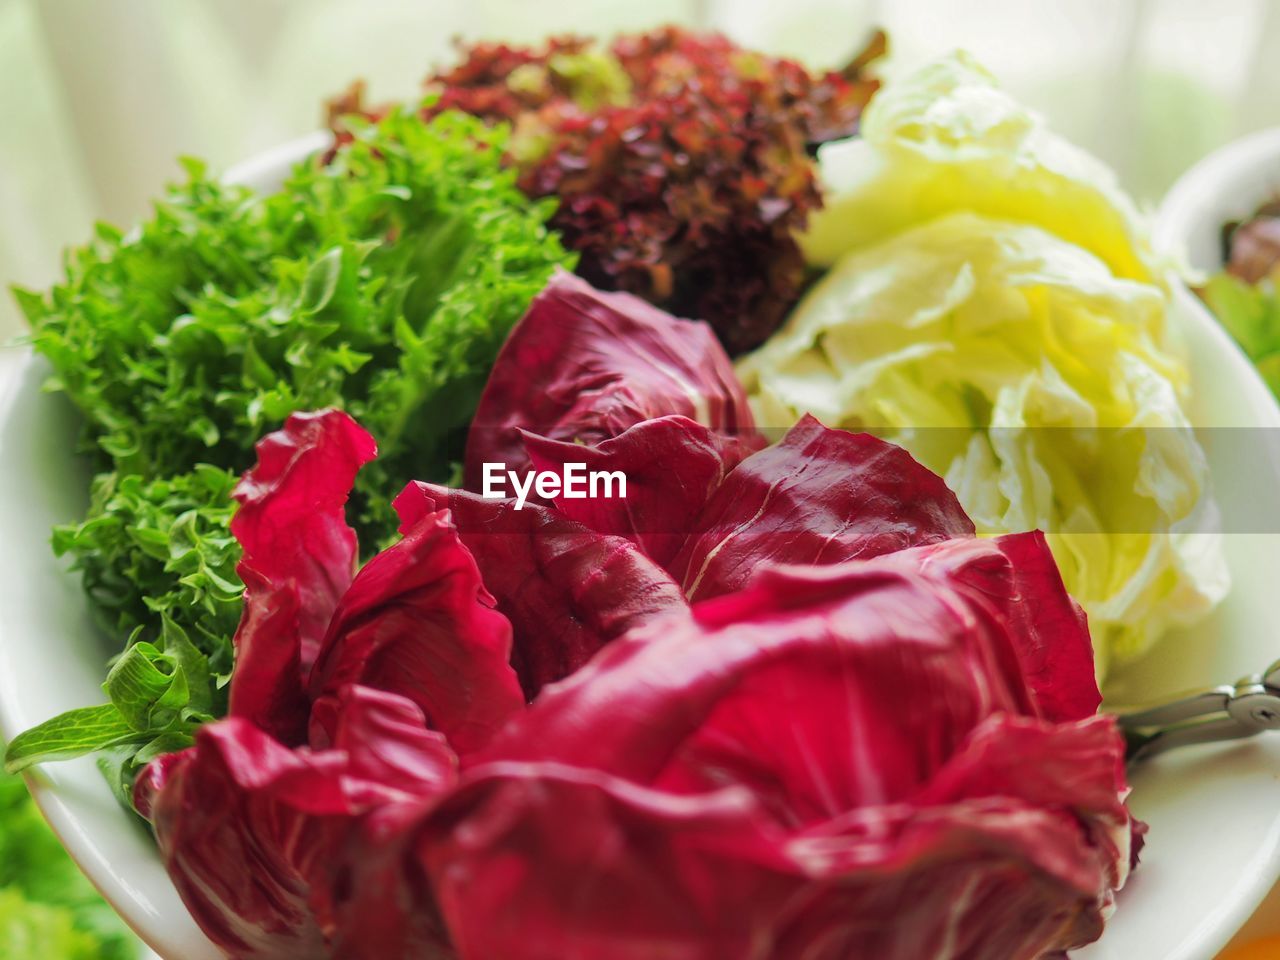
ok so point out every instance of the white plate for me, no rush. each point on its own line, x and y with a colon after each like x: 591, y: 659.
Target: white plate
x: 1214, y: 846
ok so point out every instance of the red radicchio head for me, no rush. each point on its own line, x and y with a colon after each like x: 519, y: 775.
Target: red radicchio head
x: 892, y: 751
x: 836, y: 761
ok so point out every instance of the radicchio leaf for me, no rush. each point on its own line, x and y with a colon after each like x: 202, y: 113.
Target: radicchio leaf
x: 1017, y: 573
x: 566, y: 589
x: 263, y: 841
x: 672, y: 465
x: 623, y: 872
x: 817, y: 496
x: 584, y: 366
x: 299, y: 558
x: 419, y: 622
x: 804, y: 757
x: 712, y: 518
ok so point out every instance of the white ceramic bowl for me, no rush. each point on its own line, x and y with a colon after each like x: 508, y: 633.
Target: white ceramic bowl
x: 1227, y: 185
x: 1214, y: 812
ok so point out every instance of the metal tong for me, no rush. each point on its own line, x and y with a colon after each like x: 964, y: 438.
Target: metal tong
x: 1228, y: 712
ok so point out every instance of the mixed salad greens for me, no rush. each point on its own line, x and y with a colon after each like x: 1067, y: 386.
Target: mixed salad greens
x: 681, y: 162
x: 803, y: 691
x: 775, y: 695
x: 384, y: 283
x: 1245, y: 296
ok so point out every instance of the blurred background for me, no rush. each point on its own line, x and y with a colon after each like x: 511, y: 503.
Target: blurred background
x: 98, y: 98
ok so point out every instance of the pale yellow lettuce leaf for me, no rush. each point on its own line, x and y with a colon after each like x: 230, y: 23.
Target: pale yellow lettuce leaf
x: 1044, y: 387
x: 948, y: 138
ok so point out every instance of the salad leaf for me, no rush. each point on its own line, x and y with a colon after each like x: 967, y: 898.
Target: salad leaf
x: 1045, y: 389
x: 673, y: 467
x: 568, y: 590
x: 417, y: 621
x: 1021, y: 580
x: 383, y: 283
x: 947, y: 138
x: 712, y: 829
x: 299, y: 559
x: 158, y: 695
x: 268, y: 846
x: 147, y: 686
x: 1244, y: 295
x: 816, y: 496
x: 48, y: 910
x: 583, y: 366
x: 155, y: 549
x: 577, y: 576
x: 1251, y: 314
x: 71, y: 734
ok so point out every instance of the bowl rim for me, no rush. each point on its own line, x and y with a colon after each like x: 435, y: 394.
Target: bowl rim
x: 264, y: 171
x: 1175, y: 216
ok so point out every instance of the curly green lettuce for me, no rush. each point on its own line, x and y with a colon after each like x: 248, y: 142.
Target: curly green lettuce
x: 154, y: 548
x: 382, y: 283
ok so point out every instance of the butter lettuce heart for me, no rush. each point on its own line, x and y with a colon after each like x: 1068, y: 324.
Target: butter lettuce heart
x: 948, y: 138
x: 1044, y: 387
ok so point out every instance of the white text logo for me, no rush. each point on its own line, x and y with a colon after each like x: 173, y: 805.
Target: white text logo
x: 576, y: 483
